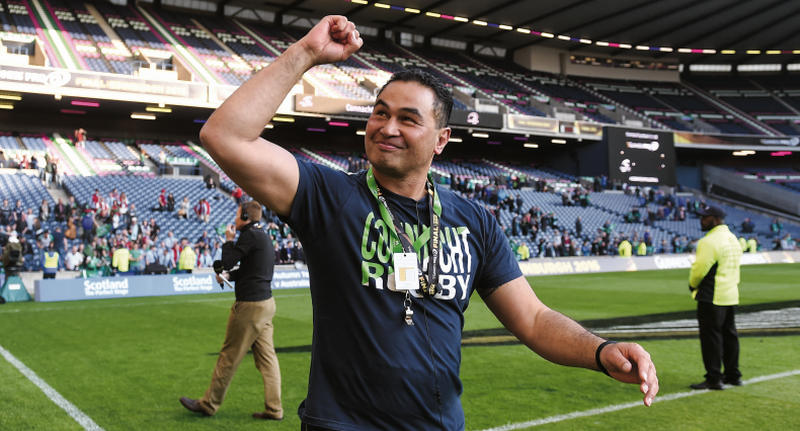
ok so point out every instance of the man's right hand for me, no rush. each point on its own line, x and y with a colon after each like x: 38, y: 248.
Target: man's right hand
x: 232, y: 135
x: 333, y: 39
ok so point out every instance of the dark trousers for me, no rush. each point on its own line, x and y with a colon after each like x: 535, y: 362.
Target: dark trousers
x: 307, y: 427
x: 719, y: 341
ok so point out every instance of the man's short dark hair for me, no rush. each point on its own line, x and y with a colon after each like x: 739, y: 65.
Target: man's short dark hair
x: 443, y: 104
x: 253, y: 210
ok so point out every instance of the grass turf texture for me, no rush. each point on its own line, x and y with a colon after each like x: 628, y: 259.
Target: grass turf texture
x: 126, y: 362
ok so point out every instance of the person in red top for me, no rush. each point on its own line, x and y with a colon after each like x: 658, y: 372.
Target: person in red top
x: 113, y: 194
x: 162, y: 201
x: 237, y: 195
x: 203, y: 210
x: 96, y: 199
x: 80, y: 135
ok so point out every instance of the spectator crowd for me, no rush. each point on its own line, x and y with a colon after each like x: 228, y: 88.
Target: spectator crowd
x: 106, y: 236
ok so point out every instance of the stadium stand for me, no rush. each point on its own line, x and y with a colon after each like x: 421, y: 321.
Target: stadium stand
x: 537, y: 205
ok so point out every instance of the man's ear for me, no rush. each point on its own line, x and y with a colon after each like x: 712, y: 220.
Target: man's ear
x: 443, y: 139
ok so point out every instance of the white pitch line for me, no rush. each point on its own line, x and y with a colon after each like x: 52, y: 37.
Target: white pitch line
x: 617, y: 407
x: 85, y: 421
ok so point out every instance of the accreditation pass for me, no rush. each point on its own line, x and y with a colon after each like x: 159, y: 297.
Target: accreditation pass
x: 406, y: 272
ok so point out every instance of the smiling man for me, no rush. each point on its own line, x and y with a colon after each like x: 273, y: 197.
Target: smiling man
x: 393, y: 260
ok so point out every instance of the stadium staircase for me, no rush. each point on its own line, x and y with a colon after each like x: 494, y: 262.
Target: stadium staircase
x: 70, y: 154
x: 25, y: 23
x: 64, y: 165
x: 118, y: 47
x: 263, y: 43
x: 202, y: 156
x: 178, y: 48
x: 59, y: 38
x: 498, y: 165
x: 625, y: 108
x: 325, y: 161
x: 546, y: 103
x: 728, y: 108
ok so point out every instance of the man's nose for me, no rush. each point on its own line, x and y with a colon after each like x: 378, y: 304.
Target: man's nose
x: 390, y: 128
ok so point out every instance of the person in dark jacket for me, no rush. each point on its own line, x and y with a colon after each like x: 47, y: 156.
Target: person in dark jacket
x: 250, y: 321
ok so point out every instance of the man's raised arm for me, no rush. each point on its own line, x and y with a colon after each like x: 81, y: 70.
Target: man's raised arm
x: 232, y: 135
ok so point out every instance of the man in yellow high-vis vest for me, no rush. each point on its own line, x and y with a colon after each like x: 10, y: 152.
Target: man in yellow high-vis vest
x: 714, y: 283
x: 120, y: 260
x: 50, y: 263
x: 187, y: 260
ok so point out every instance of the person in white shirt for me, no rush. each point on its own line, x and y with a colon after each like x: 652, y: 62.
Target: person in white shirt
x: 73, y: 259
x: 206, y: 260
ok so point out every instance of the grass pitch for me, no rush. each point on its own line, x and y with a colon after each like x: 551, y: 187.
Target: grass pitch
x: 125, y: 362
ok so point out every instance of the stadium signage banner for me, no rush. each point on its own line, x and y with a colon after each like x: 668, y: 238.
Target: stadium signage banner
x: 553, y: 266
x: 149, y: 285
x: 579, y: 265
x: 218, y: 93
x: 47, y: 80
x: 532, y: 124
x: 476, y: 119
x: 584, y: 128
x: 735, y: 140
x: 332, y: 106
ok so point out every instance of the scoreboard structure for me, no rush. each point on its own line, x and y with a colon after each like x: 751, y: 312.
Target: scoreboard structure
x: 640, y: 156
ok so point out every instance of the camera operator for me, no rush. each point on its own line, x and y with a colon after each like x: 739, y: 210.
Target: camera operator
x: 12, y: 256
x: 250, y: 321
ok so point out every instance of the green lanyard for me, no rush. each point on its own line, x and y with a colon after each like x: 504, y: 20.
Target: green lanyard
x: 400, y: 241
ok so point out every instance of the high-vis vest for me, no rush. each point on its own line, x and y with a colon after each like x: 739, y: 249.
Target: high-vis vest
x: 714, y: 276
x: 187, y: 259
x: 121, y: 259
x: 50, y: 262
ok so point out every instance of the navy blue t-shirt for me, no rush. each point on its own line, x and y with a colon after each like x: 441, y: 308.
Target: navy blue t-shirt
x: 369, y: 370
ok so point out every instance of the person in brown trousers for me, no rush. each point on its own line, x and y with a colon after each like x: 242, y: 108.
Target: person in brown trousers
x: 250, y: 320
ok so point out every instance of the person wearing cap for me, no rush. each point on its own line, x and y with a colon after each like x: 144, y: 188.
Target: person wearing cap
x: 714, y: 284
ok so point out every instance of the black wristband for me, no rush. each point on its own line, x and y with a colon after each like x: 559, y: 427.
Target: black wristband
x: 600, y: 348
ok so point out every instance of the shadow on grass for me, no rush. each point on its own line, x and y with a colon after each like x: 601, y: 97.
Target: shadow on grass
x: 501, y: 336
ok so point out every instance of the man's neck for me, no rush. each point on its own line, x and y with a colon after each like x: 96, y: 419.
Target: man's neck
x: 410, y: 186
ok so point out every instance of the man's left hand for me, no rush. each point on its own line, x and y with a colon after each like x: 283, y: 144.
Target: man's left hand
x: 630, y: 363
x: 230, y: 232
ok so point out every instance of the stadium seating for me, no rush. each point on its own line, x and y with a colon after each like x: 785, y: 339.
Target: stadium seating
x: 143, y: 192
x: 27, y: 188
x: 610, y: 207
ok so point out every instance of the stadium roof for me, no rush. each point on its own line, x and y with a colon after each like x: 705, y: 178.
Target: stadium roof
x: 716, y: 31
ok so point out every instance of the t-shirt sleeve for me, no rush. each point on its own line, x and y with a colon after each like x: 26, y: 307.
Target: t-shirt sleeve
x: 321, y: 193
x: 499, y: 264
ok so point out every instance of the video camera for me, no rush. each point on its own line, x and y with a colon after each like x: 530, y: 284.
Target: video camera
x: 12, y: 259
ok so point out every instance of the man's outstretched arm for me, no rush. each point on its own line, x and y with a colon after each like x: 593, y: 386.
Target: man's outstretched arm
x: 232, y: 135
x: 560, y: 339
